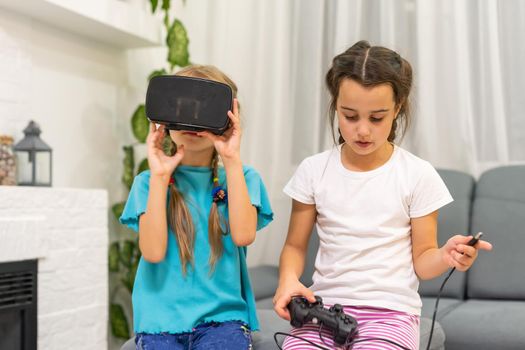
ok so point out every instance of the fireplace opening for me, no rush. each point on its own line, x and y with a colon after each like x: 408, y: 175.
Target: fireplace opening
x: 18, y: 305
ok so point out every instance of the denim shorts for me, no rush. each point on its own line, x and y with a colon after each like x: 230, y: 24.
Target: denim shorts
x: 229, y: 335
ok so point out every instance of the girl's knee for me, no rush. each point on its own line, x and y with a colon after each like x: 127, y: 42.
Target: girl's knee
x: 230, y: 335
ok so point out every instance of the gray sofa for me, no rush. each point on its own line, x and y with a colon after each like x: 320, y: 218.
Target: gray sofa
x: 484, y: 308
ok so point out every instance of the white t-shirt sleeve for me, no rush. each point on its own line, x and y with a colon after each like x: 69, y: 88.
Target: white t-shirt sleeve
x: 300, y: 186
x: 430, y: 193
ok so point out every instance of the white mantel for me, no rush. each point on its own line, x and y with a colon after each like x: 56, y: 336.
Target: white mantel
x: 67, y: 231
x: 124, y: 24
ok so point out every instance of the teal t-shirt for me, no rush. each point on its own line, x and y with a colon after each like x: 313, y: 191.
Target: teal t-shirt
x: 166, y: 301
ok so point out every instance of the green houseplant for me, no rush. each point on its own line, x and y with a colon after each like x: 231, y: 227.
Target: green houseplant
x: 124, y: 253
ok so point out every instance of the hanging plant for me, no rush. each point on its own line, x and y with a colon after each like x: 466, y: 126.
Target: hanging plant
x: 140, y: 124
x: 124, y: 254
x: 177, y: 42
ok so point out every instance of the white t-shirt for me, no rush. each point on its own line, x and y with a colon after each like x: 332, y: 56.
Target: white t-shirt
x: 363, y: 222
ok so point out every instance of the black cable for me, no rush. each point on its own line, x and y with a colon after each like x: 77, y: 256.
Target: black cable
x: 321, y: 334
x: 297, y: 337
x: 436, y: 307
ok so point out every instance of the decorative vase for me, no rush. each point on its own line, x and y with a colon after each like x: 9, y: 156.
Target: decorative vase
x: 7, y: 161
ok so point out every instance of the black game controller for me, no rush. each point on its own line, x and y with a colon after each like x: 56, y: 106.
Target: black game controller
x: 301, y: 311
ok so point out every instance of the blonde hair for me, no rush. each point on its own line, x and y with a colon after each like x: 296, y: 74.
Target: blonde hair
x: 179, y: 216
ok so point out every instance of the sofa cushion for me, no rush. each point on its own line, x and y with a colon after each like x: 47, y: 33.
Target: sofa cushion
x: 264, y: 280
x: 438, y: 336
x: 129, y: 345
x: 265, y: 303
x: 270, y: 323
x: 311, y: 255
x: 453, y: 219
x: 485, y: 324
x: 445, y: 306
x: 499, y: 212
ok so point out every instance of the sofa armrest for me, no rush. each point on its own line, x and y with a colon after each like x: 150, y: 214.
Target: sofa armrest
x: 264, y: 280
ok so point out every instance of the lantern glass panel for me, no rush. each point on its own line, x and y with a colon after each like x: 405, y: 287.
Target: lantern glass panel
x: 42, y: 163
x: 24, y: 168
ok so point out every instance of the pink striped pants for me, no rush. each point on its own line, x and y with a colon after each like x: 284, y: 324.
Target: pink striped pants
x: 395, y: 326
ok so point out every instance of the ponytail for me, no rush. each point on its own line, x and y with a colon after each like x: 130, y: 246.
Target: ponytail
x: 215, y: 221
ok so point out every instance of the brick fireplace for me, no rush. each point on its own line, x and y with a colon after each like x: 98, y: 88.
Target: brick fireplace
x: 65, y: 233
x: 18, y: 305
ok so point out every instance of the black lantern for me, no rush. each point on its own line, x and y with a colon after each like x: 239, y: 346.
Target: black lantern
x: 34, y: 158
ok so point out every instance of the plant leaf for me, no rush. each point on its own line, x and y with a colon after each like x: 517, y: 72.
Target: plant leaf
x: 119, y: 322
x: 129, y: 166
x: 140, y: 124
x: 143, y: 166
x: 138, y: 254
x: 154, y: 4
x: 127, y: 281
x: 127, y: 253
x: 117, y: 209
x: 113, y: 257
x: 132, y: 274
x: 165, y: 5
x: 168, y: 147
x: 157, y: 72
x: 177, y: 41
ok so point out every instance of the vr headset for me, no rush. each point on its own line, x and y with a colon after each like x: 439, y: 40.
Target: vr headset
x: 187, y: 103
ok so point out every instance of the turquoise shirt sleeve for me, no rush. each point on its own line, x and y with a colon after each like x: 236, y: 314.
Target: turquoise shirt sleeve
x: 258, y: 197
x: 137, y: 201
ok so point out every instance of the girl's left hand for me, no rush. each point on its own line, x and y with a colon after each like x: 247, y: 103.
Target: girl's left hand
x: 456, y: 253
x: 228, y: 145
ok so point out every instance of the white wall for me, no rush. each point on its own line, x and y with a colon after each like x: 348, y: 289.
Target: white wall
x: 77, y: 90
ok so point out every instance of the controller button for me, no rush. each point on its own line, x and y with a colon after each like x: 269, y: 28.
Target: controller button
x: 338, y: 308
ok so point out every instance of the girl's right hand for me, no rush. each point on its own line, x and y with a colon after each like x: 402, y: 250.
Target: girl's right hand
x: 160, y: 164
x: 456, y: 253
x: 285, y: 292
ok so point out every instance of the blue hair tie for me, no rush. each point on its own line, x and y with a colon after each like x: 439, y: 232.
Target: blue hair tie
x: 219, y: 194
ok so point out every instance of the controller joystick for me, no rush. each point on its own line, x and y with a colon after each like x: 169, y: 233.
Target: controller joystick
x: 343, y: 326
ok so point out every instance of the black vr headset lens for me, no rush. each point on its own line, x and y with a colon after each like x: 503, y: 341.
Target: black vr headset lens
x: 187, y: 103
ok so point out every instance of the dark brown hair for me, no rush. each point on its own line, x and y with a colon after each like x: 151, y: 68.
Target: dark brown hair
x: 179, y: 216
x: 371, y: 66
